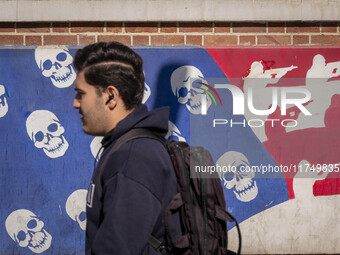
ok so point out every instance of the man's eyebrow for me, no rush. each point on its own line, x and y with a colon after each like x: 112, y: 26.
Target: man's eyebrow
x: 78, y: 89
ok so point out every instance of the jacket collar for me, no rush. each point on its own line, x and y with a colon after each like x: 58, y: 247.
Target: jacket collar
x: 156, y: 120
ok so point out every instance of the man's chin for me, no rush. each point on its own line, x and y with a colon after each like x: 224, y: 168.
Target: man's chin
x: 86, y: 130
x: 91, y: 132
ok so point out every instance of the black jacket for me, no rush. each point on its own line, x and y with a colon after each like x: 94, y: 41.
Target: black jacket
x: 138, y: 183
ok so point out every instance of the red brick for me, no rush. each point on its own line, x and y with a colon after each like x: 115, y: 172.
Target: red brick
x: 329, y: 27
x: 141, y: 27
x: 11, y: 40
x: 220, y: 40
x: 35, y: 27
x: 303, y: 27
x: 167, y: 39
x: 222, y: 27
x: 86, y: 39
x: 247, y: 40
x: 195, y: 27
x: 114, y: 27
x: 61, y: 27
x: 247, y: 27
x: 194, y: 40
x: 168, y: 27
x: 33, y: 40
x: 325, y: 39
x: 7, y: 27
x: 300, y: 39
x: 84, y: 27
x: 273, y: 39
x: 125, y: 39
x: 60, y: 40
x: 140, y: 40
x: 276, y: 27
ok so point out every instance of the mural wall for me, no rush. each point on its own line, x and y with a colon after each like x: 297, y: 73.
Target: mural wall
x: 272, y: 115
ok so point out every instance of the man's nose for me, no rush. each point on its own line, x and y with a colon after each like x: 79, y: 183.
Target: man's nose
x: 76, y: 104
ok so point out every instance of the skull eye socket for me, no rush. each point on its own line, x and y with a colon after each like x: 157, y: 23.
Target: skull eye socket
x: 228, y: 176
x: 47, y: 65
x: 240, y: 168
x: 61, y: 56
x: 82, y: 216
x: 243, y: 169
x: 183, y: 92
x: 39, y: 136
x: 196, y: 83
x: 52, y: 127
x: 32, y: 224
x: 21, y: 236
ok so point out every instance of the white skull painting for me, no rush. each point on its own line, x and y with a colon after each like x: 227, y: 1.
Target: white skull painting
x: 27, y: 230
x: 240, y: 180
x: 187, y: 85
x: 76, y: 207
x: 46, y: 132
x: 174, y: 133
x: 95, y: 146
x: 56, y: 64
x: 147, y: 93
x: 3, y: 102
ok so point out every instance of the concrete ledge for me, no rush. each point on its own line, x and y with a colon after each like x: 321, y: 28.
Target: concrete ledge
x: 169, y: 10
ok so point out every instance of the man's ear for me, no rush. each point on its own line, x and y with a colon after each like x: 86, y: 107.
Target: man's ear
x: 112, y: 95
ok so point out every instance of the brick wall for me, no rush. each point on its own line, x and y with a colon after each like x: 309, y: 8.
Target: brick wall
x: 171, y: 33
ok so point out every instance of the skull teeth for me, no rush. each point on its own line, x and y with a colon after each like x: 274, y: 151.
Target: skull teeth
x: 196, y: 106
x: 246, y: 193
x: 243, y: 187
x: 56, y: 148
x: 39, y: 240
x: 63, y: 77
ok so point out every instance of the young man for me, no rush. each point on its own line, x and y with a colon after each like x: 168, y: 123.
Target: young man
x: 138, y: 180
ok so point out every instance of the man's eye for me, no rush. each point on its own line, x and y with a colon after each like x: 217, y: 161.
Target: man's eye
x: 79, y: 95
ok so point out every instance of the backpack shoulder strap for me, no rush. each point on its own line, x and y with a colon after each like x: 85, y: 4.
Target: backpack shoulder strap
x: 135, y: 134
x: 128, y: 136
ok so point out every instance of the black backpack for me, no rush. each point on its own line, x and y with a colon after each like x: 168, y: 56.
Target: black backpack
x: 200, y: 200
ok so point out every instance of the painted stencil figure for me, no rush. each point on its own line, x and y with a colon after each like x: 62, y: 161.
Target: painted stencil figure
x: 186, y: 84
x: 147, y: 93
x: 240, y: 182
x: 46, y: 132
x: 305, y: 179
x: 317, y: 83
x: 27, y: 230
x: 95, y: 146
x: 75, y: 207
x: 56, y: 64
x: 322, y: 90
x: 3, y: 102
x: 262, y: 96
x: 129, y: 193
x: 174, y: 133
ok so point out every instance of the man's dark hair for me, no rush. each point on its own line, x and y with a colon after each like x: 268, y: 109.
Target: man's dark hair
x: 113, y: 64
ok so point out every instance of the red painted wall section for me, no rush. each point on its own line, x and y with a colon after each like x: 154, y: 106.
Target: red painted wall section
x: 315, y: 139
